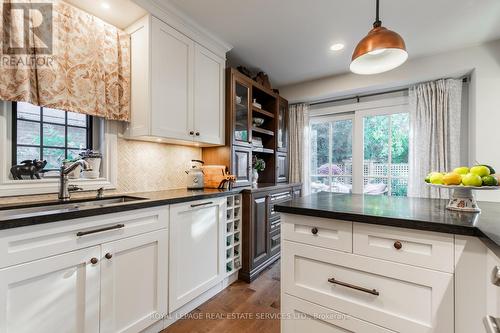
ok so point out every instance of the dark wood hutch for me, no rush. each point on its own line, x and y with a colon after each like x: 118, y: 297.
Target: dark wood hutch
x: 269, y: 141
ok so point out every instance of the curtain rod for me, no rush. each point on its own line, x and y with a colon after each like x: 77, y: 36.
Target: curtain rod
x: 465, y: 79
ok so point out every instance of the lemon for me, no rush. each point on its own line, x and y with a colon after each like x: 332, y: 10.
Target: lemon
x: 480, y: 170
x: 492, y: 171
x: 461, y: 170
x: 436, y: 178
x: 472, y: 179
x: 452, y: 178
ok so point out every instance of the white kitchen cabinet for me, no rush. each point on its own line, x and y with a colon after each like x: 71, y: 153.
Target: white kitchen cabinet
x: 300, y: 316
x: 197, y: 249
x: 177, y: 91
x: 56, y: 294
x: 492, y: 317
x: 392, y: 295
x: 171, y: 83
x: 134, y: 273
x: 209, y: 97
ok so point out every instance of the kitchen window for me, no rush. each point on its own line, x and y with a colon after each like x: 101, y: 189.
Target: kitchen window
x: 48, y: 134
x: 360, y: 151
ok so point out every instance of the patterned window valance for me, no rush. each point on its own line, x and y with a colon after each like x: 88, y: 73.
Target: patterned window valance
x: 74, y: 61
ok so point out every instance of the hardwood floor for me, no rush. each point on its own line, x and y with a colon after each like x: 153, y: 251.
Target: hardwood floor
x: 241, y: 308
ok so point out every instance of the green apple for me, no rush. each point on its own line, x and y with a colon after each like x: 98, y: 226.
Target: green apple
x: 490, y: 181
x: 461, y: 170
x: 480, y: 170
x: 472, y: 179
x: 436, y: 178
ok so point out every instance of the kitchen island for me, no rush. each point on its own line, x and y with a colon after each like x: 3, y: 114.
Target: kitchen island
x: 388, y: 265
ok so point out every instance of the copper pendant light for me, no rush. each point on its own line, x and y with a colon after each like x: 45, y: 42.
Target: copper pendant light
x: 380, y: 51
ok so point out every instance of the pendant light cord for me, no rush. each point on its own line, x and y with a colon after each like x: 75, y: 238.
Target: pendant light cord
x: 377, y: 22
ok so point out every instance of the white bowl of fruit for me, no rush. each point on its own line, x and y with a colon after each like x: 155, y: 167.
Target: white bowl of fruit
x: 462, y: 181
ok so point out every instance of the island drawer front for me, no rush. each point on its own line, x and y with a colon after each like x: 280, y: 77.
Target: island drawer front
x: 24, y: 244
x: 328, y: 233
x: 301, y: 316
x: 413, y: 247
x: 410, y: 299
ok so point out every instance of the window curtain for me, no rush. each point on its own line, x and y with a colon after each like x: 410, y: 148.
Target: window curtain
x: 87, y: 70
x: 435, y: 122
x: 298, y: 115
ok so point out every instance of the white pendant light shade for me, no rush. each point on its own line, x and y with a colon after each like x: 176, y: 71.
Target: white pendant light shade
x: 378, y: 61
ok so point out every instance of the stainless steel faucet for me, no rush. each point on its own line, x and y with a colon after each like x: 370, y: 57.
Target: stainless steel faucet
x: 64, y: 189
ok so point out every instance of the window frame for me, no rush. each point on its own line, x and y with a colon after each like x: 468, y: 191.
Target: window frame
x: 358, y: 110
x: 41, y: 122
x: 105, y: 140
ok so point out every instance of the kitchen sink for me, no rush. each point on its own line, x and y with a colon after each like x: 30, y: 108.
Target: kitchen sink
x: 54, y: 207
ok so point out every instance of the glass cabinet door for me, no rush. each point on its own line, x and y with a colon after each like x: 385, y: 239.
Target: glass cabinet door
x: 241, y: 112
x: 283, y: 125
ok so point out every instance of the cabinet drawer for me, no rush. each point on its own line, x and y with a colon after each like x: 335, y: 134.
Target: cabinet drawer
x: 275, y: 238
x: 29, y: 243
x: 395, y: 296
x: 413, y: 247
x: 300, y: 316
x: 332, y: 234
x: 281, y: 196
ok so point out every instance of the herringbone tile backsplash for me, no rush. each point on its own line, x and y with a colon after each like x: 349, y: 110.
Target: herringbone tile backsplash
x: 146, y: 166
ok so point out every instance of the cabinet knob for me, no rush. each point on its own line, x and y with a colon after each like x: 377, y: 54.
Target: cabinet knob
x: 108, y: 256
x: 314, y: 231
x: 94, y: 261
x: 398, y: 245
x: 191, y: 133
x: 197, y: 133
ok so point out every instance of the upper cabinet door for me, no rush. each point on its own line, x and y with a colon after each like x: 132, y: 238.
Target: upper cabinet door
x: 56, y: 294
x: 209, y: 97
x: 283, y: 125
x: 241, y: 125
x: 172, y: 83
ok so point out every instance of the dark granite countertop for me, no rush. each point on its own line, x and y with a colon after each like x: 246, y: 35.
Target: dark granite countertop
x: 262, y: 187
x: 412, y: 213
x: 10, y: 219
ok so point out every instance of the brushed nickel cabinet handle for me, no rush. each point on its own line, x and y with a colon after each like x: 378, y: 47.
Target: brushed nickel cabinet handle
x: 495, y: 276
x: 84, y: 233
x: 398, y: 245
x: 352, y: 286
x: 491, y: 324
x: 94, y: 261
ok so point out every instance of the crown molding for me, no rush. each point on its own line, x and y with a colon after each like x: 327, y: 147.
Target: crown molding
x: 170, y: 14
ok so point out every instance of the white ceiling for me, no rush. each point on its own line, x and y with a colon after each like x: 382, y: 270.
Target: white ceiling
x: 121, y: 13
x: 290, y: 39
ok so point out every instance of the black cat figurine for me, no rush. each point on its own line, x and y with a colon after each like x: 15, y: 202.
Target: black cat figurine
x: 30, y: 168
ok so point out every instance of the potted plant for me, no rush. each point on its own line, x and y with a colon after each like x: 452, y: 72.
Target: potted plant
x: 258, y: 165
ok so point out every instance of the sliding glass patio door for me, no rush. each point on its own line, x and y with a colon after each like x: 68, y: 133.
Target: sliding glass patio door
x: 331, y: 154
